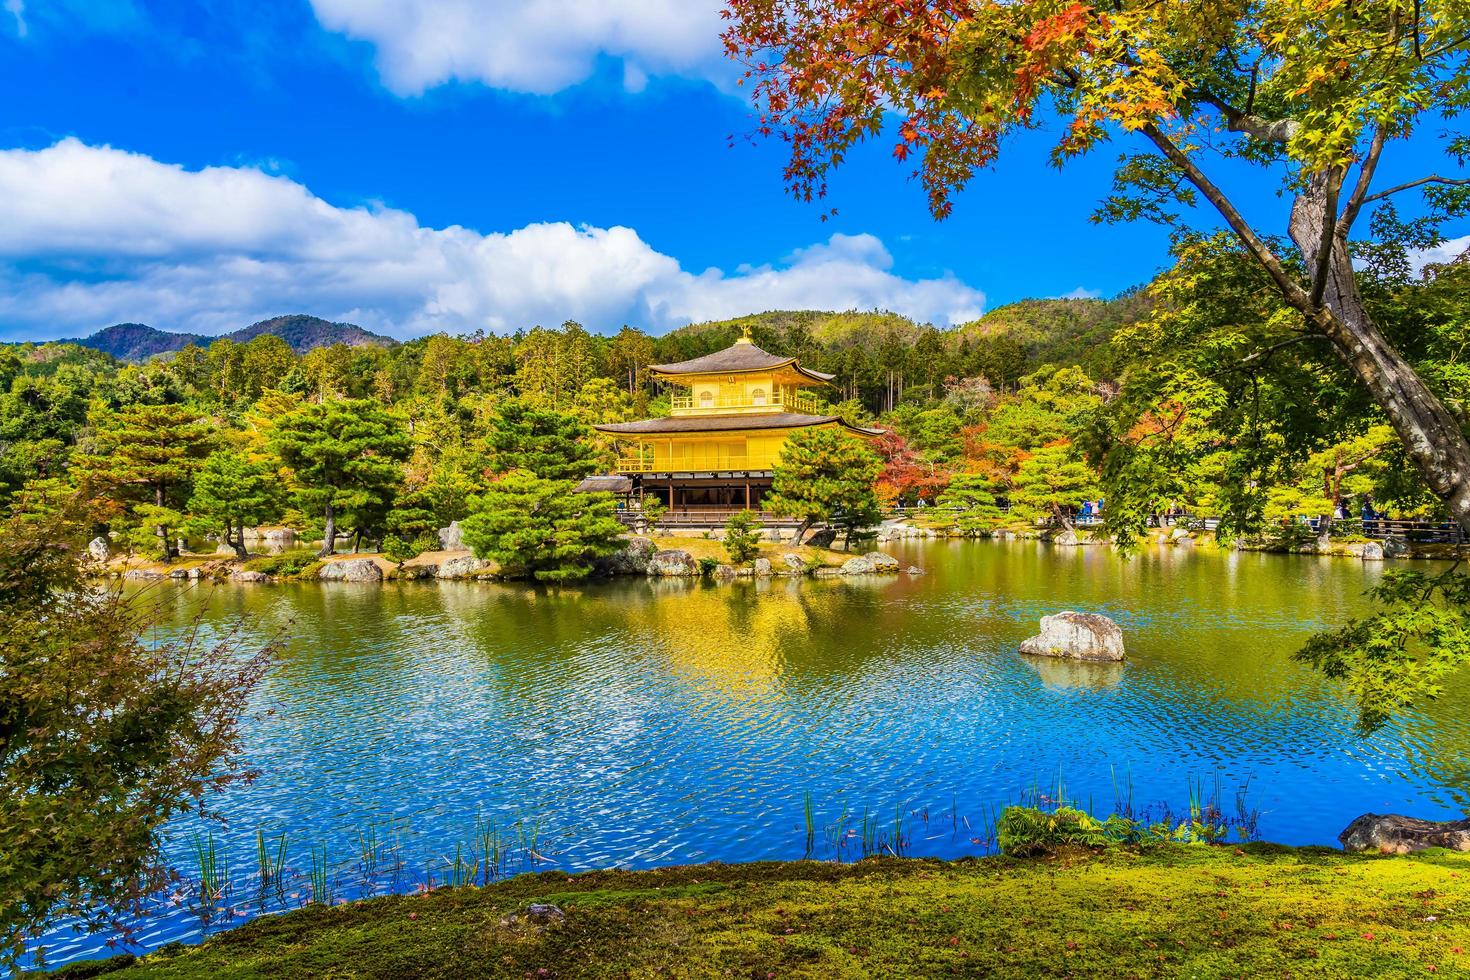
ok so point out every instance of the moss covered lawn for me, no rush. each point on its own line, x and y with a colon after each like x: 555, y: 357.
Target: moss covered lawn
x: 1260, y: 911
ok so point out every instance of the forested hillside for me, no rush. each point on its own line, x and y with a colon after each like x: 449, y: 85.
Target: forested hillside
x: 1194, y: 392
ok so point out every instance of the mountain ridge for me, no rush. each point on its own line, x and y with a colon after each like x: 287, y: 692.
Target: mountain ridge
x: 139, y: 341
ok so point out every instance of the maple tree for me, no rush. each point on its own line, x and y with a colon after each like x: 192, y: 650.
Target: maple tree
x: 1313, y: 93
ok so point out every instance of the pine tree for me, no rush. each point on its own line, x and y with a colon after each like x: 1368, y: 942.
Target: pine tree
x: 1051, y: 482
x: 548, y: 444
x: 742, y: 537
x: 541, y: 527
x: 972, y: 498
x: 346, y: 456
x: 143, y: 459
x: 825, y: 474
x: 233, y: 492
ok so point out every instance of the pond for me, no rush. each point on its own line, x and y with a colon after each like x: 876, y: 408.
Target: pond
x: 637, y: 723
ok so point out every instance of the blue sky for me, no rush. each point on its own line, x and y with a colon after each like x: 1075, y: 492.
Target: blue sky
x: 414, y: 165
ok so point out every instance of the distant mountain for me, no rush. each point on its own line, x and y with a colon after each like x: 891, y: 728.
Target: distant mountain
x: 136, y: 341
x: 306, y: 333
x: 139, y: 342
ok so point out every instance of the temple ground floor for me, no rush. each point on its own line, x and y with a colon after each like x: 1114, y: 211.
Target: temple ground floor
x: 702, y: 497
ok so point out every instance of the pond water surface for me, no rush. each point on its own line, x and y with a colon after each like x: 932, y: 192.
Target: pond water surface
x: 637, y: 723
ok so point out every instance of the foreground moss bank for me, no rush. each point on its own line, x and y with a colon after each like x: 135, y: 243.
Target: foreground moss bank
x: 1196, y: 911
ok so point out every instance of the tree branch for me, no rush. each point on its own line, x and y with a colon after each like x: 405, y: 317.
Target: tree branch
x: 1365, y: 177
x: 1288, y: 285
x: 1334, y: 178
x: 1431, y: 179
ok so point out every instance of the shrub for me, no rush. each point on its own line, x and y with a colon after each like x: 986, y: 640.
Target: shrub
x: 287, y: 564
x: 708, y: 565
x: 1024, y: 830
x: 742, y: 537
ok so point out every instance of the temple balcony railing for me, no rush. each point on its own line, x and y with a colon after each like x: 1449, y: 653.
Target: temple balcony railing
x: 738, y: 404
x: 697, y: 463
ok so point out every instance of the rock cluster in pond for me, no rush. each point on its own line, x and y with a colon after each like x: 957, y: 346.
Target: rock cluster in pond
x: 634, y: 558
x: 1396, y: 834
x: 1077, y: 636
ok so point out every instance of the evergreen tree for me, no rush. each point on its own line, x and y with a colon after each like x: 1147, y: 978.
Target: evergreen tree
x: 547, y: 444
x: 346, y: 456
x: 742, y: 537
x: 1051, y: 482
x: 411, y: 527
x: 233, y: 492
x: 825, y: 474
x: 972, y: 498
x: 143, y: 460
x: 540, y: 527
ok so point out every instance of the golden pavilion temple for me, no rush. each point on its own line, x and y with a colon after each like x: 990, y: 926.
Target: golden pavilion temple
x: 731, y: 413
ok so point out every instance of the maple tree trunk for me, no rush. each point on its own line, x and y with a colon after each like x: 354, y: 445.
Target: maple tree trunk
x: 1432, y: 436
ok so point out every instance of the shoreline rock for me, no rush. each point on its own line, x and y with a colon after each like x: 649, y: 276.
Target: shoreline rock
x: 1077, y: 636
x: 672, y: 563
x: 1394, y: 833
x: 351, y: 570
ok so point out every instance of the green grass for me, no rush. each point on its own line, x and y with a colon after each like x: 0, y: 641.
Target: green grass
x: 1259, y: 910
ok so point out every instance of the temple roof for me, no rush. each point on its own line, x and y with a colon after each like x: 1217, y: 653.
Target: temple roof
x: 738, y: 357
x: 604, y: 484
x: 725, y: 423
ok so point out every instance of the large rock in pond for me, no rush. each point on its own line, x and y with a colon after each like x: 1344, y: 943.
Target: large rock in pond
x: 461, y: 567
x: 1372, y: 551
x: 1078, y: 636
x: 858, y: 566
x: 1396, y: 834
x: 99, y: 549
x: 246, y: 575
x: 794, y: 563
x: 762, y: 567
x: 882, y: 563
x: 351, y: 570
x: 1395, y: 547
x: 672, y: 564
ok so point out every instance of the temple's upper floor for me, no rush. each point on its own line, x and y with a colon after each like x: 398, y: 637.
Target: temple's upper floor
x: 741, y: 379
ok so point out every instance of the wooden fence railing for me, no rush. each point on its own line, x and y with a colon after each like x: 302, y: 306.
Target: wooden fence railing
x: 1376, y: 529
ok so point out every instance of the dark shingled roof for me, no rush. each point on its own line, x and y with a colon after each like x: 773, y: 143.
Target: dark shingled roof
x: 739, y: 356
x: 604, y: 484
x: 725, y: 423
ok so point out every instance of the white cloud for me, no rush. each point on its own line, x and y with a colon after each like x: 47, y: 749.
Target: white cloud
x: 94, y: 235
x: 1081, y: 292
x: 17, y: 9
x: 538, y: 46
x: 1447, y: 252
